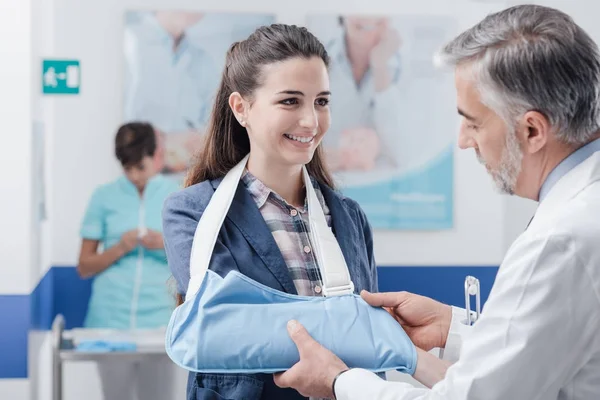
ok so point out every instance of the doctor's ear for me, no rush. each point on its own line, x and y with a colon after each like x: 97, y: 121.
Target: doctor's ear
x: 240, y: 107
x: 534, y: 131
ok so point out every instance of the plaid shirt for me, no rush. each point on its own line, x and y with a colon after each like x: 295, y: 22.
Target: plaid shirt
x: 290, y: 228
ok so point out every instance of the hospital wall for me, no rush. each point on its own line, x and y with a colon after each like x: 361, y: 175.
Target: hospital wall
x: 37, y: 277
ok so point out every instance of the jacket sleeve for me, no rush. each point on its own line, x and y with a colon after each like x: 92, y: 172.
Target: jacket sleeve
x: 527, y: 344
x: 368, y: 235
x: 181, y: 213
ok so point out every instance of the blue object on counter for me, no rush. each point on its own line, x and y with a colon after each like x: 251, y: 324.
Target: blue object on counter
x: 104, y: 346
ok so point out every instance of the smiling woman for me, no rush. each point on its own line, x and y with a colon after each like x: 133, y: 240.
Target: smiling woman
x: 273, y: 105
x: 286, y: 118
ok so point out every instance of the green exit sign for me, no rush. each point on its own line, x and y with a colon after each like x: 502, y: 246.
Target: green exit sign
x: 61, y: 76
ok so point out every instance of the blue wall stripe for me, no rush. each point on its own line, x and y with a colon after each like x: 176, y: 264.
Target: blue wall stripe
x: 445, y: 284
x: 42, y: 300
x: 15, y: 314
x: 61, y: 291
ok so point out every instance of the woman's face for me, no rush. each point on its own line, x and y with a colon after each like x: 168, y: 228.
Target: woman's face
x: 140, y: 173
x: 288, y: 113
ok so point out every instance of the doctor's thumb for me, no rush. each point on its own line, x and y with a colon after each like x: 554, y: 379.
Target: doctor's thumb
x: 297, y: 332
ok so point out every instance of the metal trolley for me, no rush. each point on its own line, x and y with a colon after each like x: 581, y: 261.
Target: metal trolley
x: 64, y: 350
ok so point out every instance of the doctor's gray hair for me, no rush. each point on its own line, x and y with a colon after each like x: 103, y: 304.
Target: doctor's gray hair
x: 534, y: 58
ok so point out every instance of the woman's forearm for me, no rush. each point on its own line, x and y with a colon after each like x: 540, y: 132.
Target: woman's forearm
x: 430, y: 369
x: 92, y: 264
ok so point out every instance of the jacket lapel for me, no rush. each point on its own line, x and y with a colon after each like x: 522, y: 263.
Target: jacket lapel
x: 246, y: 216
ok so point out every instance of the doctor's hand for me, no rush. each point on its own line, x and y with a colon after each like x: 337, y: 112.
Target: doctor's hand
x: 313, y: 375
x: 384, y: 50
x: 425, y: 320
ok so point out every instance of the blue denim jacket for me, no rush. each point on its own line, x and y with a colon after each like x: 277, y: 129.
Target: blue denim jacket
x: 246, y: 244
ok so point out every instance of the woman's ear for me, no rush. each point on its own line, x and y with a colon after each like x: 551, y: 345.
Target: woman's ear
x: 239, y: 106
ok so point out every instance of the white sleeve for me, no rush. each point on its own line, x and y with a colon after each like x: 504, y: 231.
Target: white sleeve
x: 456, y: 335
x: 530, y: 339
x: 387, y: 119
x: 362, y: 384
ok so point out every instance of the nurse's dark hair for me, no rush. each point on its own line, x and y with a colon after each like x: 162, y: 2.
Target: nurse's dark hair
x: 226, y: 142
x: 134, y: 141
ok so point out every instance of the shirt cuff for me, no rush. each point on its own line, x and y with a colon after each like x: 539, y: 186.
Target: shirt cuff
x: 458, y: 330
x: 353, y: 384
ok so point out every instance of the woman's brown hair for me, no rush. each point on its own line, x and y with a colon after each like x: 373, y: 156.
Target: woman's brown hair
x: 226, y: 142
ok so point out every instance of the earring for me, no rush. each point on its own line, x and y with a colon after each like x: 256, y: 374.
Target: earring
x: 242, y: 123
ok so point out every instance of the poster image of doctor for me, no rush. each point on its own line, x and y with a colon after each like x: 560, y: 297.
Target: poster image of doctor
x: 173, y: 65
x: 390, y: 144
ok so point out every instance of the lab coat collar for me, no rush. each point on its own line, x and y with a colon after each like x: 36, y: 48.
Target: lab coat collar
x: 568, y: 187
x: 568, y: 164
x: 152, y: 32
x: 336, y: 48
x: 246, y: 216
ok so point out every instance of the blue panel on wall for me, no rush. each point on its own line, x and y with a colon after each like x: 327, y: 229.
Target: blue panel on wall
x: 445, y: 284
x: 15, y: 312
x: 71, y: 296
x: 71, y: 293
x: 42, y: 303
x: 61, y: 291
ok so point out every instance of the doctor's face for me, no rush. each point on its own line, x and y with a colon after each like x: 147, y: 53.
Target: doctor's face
x: 495, y: 144
x: 289, y: 112
x: 365, y: 31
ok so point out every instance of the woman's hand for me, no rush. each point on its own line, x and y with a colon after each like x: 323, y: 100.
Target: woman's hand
x: 129, y: 240
x: 152, y: 240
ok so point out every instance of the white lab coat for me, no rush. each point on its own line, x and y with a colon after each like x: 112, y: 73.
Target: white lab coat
x: 539, y: 334
x: 361, y: 106
x: 170, y: 89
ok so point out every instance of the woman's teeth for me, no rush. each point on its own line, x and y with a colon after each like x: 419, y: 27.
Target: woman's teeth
x: 300, y: 139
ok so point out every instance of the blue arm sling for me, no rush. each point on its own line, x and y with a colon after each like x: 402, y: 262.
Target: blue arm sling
x: 233, y: 324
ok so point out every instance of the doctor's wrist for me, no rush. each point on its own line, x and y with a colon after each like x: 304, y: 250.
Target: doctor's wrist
x: 445, y: 323
x: 335, y: 380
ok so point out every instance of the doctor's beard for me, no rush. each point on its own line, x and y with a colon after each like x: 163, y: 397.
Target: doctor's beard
x: 506, y: 174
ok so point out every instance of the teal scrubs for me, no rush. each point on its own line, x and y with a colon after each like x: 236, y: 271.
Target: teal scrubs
x: 133, y: 292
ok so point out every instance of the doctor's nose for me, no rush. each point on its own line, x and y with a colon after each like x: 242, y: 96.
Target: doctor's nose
x: 465, y: 141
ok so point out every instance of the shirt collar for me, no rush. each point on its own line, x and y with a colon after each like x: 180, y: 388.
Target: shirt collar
x: 573, y: 160
x: 150, y: 30
x: 130, y: 188
x: 260, y: 192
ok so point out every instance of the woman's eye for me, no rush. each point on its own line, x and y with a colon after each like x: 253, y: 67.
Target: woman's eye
x: 322, y: 102
x: 289, y: 102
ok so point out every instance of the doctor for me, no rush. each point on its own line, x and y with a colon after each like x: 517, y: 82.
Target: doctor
x: 528, y: 84
x: 157, y: 44
x: 186, y: 49
x: 365, y: 72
